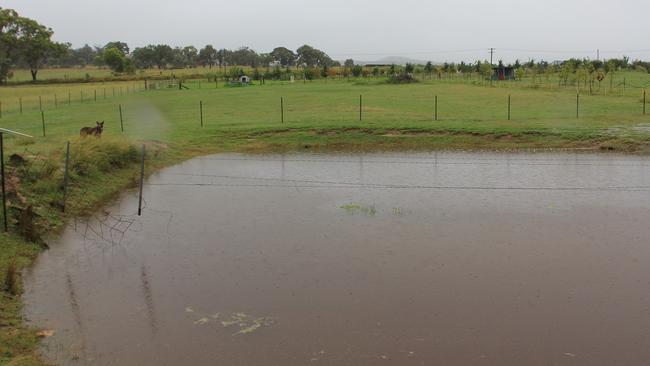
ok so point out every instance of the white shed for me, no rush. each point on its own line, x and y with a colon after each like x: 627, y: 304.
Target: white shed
x: 244, y: 79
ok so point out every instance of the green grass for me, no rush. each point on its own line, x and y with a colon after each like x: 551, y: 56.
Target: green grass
x: 51, y: 96
x: 319, y: 115
x: 78, y: 73
x: 326, y: 112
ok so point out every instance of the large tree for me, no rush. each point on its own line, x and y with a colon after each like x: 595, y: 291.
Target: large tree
x: 9, y: 30
x: 310, y: 57
x: 243, y: 56
x: 35, y: 44
x: 163, y: 55
x: 114, y: 58
x: 190, y: 56
x: 284, y: 56
x: 208, y: 56
x: 222, y: 56
x: 144, y: 57
x: 120, y: 46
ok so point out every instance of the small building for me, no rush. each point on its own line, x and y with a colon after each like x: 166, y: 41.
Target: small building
x: 244, y: 79
x: 503, y: 73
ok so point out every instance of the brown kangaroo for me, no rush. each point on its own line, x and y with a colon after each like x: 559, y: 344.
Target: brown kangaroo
x: 96, y: 131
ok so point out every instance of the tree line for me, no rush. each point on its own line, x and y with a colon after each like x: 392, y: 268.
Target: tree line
x: 24, y: 43
x: 119, y: 57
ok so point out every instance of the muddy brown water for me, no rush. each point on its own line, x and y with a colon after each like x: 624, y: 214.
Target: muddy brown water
x: 400, y: 259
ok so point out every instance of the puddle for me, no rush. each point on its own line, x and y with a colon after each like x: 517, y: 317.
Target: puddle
x: 403, y: 259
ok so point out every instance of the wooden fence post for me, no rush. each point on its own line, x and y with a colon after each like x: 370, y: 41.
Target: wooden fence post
x: 2, y: 172
x: 43, y: 122
x: 508, y: 107
x: 65, y: 176
x: 141, y: 182
x: 435, y: 110
x: 121, y: 121
x: 360, y: 106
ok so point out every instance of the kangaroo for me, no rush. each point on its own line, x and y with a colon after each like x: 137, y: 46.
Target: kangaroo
x: 96, y: 131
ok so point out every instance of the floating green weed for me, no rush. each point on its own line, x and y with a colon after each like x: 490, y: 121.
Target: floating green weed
x: 352, y: 209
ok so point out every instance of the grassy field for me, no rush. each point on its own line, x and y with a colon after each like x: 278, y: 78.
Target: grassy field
x: 318, y: 116
x: 71, y: 73
x: 621, y: 83
x: 539, y: 117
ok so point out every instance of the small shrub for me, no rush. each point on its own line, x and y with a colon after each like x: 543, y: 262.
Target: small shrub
x: 402, y: 78
x: 357, y: 70
x: 36, y: 169
x: 101, y: 156
x: 11, y: 280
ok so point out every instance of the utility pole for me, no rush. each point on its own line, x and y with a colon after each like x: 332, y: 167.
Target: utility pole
x: 491, y: 54
x: 598, y: 55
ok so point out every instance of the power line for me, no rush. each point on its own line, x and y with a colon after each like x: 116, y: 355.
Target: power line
x: 306, y: 183
x: 407, y: 53
x: 552, y: 51
x: 448, y: 161
x: 395, y: 186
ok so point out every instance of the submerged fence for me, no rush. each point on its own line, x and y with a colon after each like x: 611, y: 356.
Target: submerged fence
x: 66, y: 179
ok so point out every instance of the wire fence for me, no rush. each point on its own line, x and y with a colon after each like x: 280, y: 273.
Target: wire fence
x: 59, y: 97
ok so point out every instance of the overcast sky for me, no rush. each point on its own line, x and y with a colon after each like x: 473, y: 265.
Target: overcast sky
x: 361, y: 29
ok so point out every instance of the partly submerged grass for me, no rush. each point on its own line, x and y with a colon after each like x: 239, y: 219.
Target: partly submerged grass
x: 99, y: 169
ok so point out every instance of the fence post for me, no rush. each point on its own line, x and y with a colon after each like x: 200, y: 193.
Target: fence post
x: 577, y: 105
x: 43, y: 122
x: 20, y: 101
x: 145, y: 84
x: 95, y: 94
x: 81, y: 93
x: 121, y: 121
x: 360, y: 106
x: 201, y: 111
x: 282, y: 109
x: 4, y: 193
x: 643, y: 104
x: 40, y: 103
x: 141, y: 182
x: 65, y: 176
x: 0, y: 109
x: 508, y: 107
x: 56, y: 102
x: 435, y: 109
x: 69, y: 98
